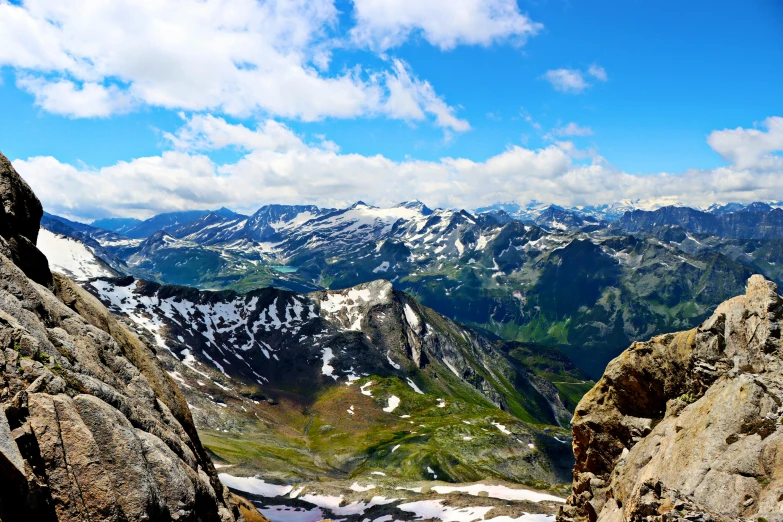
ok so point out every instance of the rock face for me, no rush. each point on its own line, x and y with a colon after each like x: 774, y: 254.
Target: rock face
x: 20, y: 217
x: 687, y: 426
x: 91, y: 426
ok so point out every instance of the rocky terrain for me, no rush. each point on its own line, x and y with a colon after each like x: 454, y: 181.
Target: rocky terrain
x: 687, y: 426
x: 91, y: 426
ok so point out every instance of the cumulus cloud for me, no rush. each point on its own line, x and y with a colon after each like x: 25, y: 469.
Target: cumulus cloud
x: 86, y: 101
x: 751, y: 148
x: 240, y: 57
x: 573, y: 80
x: 279, y: 166
x: 382, y: 24
x: 410, y: 98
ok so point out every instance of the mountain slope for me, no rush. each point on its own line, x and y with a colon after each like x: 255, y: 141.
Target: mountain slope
x: 285, y: 341
x: 72, y: 257
x: 687, y: 426
x: 347, y: 359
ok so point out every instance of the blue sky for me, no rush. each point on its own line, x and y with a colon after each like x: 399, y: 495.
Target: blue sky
x: 477, y: 101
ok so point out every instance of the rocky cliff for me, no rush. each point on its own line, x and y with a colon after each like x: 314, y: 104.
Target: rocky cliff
x: 687, y: 426
x: 91, y: 426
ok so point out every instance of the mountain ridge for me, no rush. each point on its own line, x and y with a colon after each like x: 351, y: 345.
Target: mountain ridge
x: 484, y: 270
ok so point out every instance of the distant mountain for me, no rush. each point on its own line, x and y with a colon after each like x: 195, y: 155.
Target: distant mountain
x: 740, y: 207
x: 568, y: 279
x: 607, y: 212
x: 271, y: 221
x: 756, y: 221
x: 557, y: 218
x: 52, y: 220
x: 416, y: 205
x: 528, y: 213
x: 171, y: 220
x: 118, y: 225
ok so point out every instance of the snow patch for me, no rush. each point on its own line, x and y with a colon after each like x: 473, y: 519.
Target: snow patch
x: 327, y: 369
x: 501, y: 428
x: 499, y: 492
x: 411, y: 317
x: 254, y: 485
x: 71, y: 257
x: 394, y: 401
x: 383, y: 267
x: 413, y: 385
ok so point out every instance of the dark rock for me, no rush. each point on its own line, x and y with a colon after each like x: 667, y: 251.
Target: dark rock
x: 20, y: 220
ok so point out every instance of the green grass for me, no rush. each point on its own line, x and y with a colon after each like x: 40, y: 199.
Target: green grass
x: 574, y: 392
x: 458, y: 441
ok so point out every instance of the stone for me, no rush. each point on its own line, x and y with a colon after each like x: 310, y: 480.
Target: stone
x: 11, y: 461
x: 20, y: 219
x: 91, y: 425
x: 687, y: 426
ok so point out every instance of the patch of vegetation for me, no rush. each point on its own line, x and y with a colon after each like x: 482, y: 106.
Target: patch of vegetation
x: 687, y: 398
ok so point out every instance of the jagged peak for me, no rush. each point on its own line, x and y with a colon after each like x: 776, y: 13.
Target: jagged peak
x: 415, y: 204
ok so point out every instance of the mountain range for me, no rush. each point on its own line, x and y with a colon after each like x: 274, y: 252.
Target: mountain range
x: 587, y: 280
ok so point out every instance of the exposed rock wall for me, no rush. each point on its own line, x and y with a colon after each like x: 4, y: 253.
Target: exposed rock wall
x: 687, y: 426
x: 91, y: 426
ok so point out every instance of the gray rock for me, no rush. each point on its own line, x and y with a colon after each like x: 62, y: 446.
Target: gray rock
x: 11, y: 461
x: 671, y: 441
x: 91, y: 426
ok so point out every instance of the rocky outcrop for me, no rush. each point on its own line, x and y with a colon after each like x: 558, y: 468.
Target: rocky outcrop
x: 20, y: 217
x: 687, y: 426
x: 91, y: 426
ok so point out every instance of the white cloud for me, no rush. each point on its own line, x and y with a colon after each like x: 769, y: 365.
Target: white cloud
x: 280, y: 167
x: 410, y: 97
x: 86, y: 101
x: 566, y: 80
x: 236, y: 57
x: 751, y: 148
x: 573, y: 80
x: 597, y: 72
x: 205, y: 132
x: 572, y: 129
x: 382, y: 24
